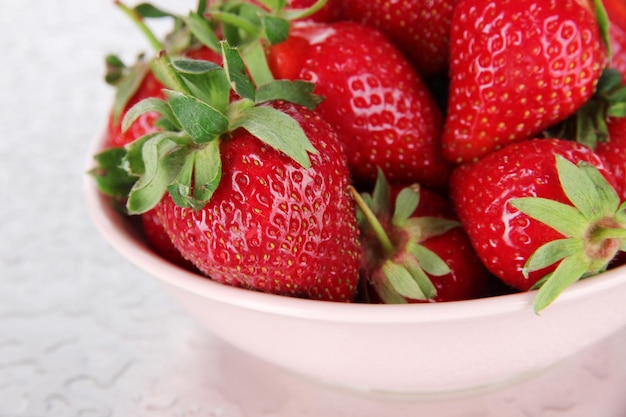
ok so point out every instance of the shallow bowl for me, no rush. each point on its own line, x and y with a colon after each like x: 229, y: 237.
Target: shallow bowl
x: 417, y: 348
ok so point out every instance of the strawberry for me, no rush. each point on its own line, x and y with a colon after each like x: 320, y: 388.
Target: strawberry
x: 272, y: 225
x: 414, y: 249
x: 159, y: 240
x: 252, y: 191
x: 516, y: 68
x: 600, y: 124
x: 540, y: 213
x: 421, y: 30
x: 383, y: 112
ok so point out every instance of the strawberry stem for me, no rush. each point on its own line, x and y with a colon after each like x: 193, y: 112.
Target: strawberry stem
x: 602, y: 233
x: 237, y: 21
x: 373, y: 222
x: 135, y: 17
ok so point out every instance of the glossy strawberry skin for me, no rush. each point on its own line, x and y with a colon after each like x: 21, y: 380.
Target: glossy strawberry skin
x: 503, y: 237
x: 383, y: 112
x: 159, y: 240
x: 420, y: 29
x: 272, y: 225
x: 517, y: 67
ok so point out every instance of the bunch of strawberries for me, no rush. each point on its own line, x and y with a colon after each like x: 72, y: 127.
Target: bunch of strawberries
x: 377, y: 151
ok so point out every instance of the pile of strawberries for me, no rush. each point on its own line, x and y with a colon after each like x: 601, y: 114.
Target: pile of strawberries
x: 377, y: 151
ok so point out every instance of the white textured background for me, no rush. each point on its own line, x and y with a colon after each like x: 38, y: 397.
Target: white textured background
x: 85, y: 334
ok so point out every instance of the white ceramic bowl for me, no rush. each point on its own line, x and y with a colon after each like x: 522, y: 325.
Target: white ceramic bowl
x: 418, y: 348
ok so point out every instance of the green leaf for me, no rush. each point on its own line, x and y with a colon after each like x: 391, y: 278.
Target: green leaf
x: 276, y: 29
x: 236, y: 72
x: 208, y: 172
x: 425, y: 227
x: 180, y: 188
x: 617, y: 110
x: 406, y: 203
x: 570, y: 270
x: 255, y: 61
x: 163, y: 159
x: 402, y: 281
x: 145, y: 106
x: 201, y: 121
x: 428, y: 260
x: 164, y: 71
x: 201, y: 29
x: 278, y: 130
x: 563, y: 218
x: 298, y: 92
x: 295, y: 14
x: 127, y: 87
x: 580, y: 189
x: 422, y: 280
x: 150, y: 11
x: 205, y: 80
x: 381, y: 196
x: 552, y: 252
x: 388, y: 294
x: 274, y: 5
x: 608, y: 200
x: 603, y: 24
x: 109, y: 175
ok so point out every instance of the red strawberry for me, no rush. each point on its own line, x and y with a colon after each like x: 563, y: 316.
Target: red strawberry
x: 601, y: 125
x: 160, y: 241
x: 413, y: 248
x: 252, y: 191
x: 272, y: 225
x: 530, y: 211
x: 517, y: 67
x: 383, y: 112
x: 420, y: 29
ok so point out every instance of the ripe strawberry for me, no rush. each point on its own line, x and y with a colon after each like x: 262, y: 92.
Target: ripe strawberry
x: 383, y: 112
x: 272, y: 225
x: 159, y: 240
x: 420, y: 29
x: 252, y: 191
x: 516, y: 68
x: 540, y: 213
x: 600, y: 124
x: 414, y: 249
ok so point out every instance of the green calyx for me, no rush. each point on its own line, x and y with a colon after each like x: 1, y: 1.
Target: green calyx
x: 184, y: 158
x: 249, y: 27
x: 589, y: 125
x: 399, y: 264
x: 594, y: 229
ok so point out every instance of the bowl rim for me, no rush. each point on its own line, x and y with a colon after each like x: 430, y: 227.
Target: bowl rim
x: 118, y: 233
